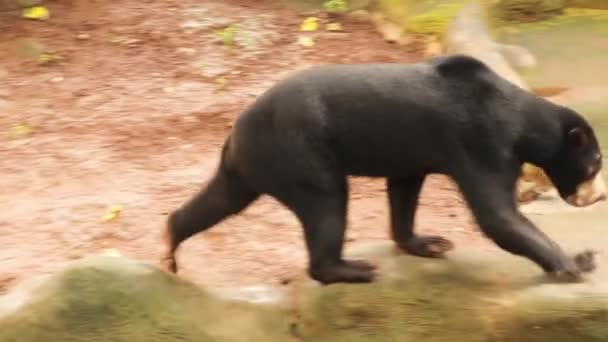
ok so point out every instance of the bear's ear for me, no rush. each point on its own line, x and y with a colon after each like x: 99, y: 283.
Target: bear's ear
x: 578, y: 138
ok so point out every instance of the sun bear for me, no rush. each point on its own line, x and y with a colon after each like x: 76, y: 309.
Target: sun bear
x: 449, y: 115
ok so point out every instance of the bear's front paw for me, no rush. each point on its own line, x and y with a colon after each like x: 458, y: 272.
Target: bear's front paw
x: 573, y: 269
x: 567, y: 275
x: 585, y: 261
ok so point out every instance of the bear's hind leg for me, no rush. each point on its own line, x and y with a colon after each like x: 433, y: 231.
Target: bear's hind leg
x: 403, y: 199
x: 226, y: 194
x: 322, y: 214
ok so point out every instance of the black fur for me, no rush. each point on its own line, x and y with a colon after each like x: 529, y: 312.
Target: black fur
x: 451, y: 115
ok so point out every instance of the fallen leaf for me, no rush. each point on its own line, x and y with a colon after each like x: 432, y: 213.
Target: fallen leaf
x: 19, y: 130
x: 36, y: 13
x: 49, y: 58
x: 333, y: 27
x: 306, y: 41
x: 221, y: 83
x: 112, y: 213
x: 119, y: 39
x: 310, y: 24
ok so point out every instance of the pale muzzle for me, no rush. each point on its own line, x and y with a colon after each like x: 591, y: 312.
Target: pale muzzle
x: 588, y: 192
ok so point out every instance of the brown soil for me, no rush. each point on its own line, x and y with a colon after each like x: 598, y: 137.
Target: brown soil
x: 127, y: 117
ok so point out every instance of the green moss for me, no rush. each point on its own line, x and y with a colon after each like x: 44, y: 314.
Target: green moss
x: 428, y: 17
x: 104, y: 299
x: 527, y: 10
x: 397, y: 11
x: 434, y: 21
x: 569, y: 16
x: 599, y: 4
x: 473, y: 298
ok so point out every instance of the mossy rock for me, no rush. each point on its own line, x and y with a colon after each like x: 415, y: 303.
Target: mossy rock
x: 597, y: 4
x: 427, y: 17
x: 527, y: 10
x: 117, y: 299
x: 472, y: 296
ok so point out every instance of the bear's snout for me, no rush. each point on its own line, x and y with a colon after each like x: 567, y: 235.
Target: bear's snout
x: 588, y: 192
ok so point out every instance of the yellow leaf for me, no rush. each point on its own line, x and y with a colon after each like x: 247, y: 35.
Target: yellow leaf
x: 36, y: 13
x: 112, y: 213
x: 306, y: 41
x: 221, y: 83
x: 108, y: 217
x: 119, y: 40
x: 19, y: 130
x: 310, y: 24
x: 117, y: 208
x: 48, y: 58
x: 333, y: 27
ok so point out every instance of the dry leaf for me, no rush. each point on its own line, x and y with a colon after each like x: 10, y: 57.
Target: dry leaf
x: 310, y: 24
x: 19, y: 130
x: 112, y: 213
x: 49, y: 58
x: 36, y: 13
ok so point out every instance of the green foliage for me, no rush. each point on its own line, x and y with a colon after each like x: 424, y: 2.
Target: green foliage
x: 434, y: 21
x: 335, y: 6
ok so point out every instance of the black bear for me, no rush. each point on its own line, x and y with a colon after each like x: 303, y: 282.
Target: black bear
x: 449, y: 115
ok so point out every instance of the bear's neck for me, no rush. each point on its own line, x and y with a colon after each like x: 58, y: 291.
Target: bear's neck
x: 540, y: 134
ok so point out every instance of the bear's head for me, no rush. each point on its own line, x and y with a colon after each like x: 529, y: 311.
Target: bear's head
x: 575, y: 168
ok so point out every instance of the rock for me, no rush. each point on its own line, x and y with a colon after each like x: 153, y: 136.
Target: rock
x: 517, y: 56
x: 473, y: 295
x: 467, y: 34
x: 597, y: 4
x: 549, y: 203
x: 527, y: 10
x: 107, y: 298
x: 526, y: 191
x: 257, y: 294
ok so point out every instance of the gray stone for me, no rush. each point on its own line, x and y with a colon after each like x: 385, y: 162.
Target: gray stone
x: 475, y: 294
x: 118, y: 299
x: 517, y: 56
x: 467, y: 34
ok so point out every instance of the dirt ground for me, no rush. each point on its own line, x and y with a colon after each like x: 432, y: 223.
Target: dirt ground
x: 135, y: 114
